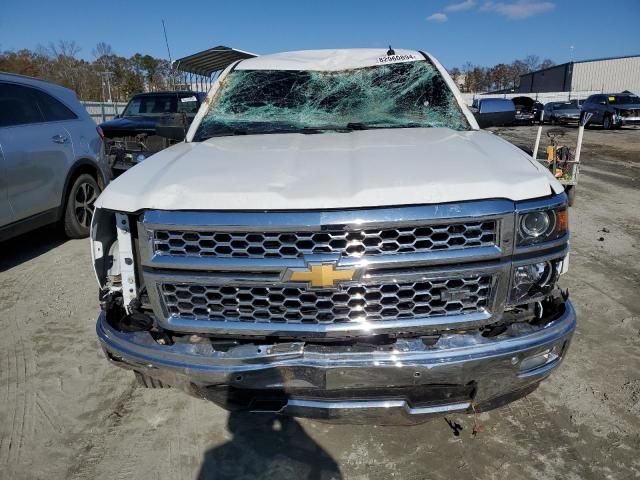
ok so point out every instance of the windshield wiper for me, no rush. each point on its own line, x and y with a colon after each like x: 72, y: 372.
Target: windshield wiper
x: 367, y: 126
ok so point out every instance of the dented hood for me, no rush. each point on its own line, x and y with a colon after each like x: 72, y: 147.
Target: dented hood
x: 368, y: 168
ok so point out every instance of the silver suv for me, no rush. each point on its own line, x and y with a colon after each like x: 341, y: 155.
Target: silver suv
x: 52, y: 164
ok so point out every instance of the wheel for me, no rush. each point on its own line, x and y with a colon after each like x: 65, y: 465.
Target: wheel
x: 552, y: 120
x: 570, y: 190
x: 79, y: 207
x: 607, y: 124
x: 146, y: 381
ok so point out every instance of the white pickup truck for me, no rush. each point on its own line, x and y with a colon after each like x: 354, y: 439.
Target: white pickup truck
x: 336, y: 238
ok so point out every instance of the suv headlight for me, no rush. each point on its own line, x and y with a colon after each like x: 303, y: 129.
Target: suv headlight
x: 540, y: 226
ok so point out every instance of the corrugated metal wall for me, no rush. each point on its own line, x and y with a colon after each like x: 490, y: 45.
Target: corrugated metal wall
x: 615, y: 75
x: 554, y: 79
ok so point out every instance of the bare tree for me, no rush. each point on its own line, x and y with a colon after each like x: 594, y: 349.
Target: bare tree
x: 547, y: 63
x: 102, y: 50
x: 532, y: 62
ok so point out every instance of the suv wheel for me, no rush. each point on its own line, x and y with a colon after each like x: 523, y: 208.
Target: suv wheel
x: 79, y: 210
x: 607, y: 123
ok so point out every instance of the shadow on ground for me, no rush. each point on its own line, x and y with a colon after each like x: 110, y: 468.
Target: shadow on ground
x: 29, y: 246
x: 268, y: 446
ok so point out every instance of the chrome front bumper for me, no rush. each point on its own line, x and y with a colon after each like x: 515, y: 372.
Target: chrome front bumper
x: 498, y: 369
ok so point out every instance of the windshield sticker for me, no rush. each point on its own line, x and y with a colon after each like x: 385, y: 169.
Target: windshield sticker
x: 188, y: 99
x: 612, y: 99
x: 397, y: 58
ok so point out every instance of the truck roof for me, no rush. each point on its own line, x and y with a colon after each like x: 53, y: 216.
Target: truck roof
x: 330, y: 59
x: 165, y: 92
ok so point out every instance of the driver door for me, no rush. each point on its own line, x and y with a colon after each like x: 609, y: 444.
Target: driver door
x: 6, y: 216
x: 601, y: 107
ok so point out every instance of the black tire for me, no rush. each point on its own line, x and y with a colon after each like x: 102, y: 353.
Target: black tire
x: 145, y: 381
x: 553, y: 121
x: 607, y: 123
x: 570, y: 190
x: 78, y: 211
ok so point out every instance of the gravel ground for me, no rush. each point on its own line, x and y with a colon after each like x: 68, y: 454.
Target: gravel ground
x: 66, y: 413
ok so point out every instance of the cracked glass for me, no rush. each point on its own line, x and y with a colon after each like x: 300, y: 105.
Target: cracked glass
x: 400, y: 95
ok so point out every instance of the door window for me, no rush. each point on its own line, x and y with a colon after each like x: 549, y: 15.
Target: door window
x: 18, y: 105
x: 52, y: 109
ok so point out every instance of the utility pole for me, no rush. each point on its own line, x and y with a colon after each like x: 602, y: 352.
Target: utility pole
x: 166, y: 41
x: 106, y: 78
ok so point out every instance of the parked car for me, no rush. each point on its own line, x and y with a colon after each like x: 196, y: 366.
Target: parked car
x: 562, y: 112
x: 613, y: 110
x: 528, y: 110
x: 52, y: 163
x: 131, y: 137
x: 493, y: 111
x: 336, y: 238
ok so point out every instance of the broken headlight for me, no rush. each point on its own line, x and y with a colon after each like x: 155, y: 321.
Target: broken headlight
x: 540, y: 226
x: 533, y: 281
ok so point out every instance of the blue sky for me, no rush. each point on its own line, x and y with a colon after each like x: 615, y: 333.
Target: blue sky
x: 483, y: 32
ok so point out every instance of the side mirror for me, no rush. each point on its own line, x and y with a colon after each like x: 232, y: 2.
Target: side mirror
x: 493, y: 112
x: 173, y: 126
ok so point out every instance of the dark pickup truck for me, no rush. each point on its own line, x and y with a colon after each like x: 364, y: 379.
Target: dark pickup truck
x: 131, y: 137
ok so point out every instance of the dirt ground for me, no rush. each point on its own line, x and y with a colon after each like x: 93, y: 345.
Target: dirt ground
x: 65, y: 413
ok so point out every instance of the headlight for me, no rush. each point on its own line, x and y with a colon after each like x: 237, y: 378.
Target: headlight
x: 533, y: 281
x: 535, y: 224
x: 542, y: 225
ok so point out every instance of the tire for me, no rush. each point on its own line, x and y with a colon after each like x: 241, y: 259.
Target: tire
x: 553, y: 121
x: 79, y: 206
x: 607, y: 124
x: 145, y: 381
x: 570, y: 190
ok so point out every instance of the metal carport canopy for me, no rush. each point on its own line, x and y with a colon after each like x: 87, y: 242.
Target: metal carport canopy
x: 210, y: 61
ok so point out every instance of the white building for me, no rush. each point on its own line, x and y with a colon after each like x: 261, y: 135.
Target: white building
x: 615, y: 74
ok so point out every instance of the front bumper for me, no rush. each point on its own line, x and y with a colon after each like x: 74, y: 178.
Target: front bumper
x: 568, y: 118
x: 400, y: 384
x: 629, y: 120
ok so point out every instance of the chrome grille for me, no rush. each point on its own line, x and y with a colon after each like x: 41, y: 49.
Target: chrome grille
x: 349, y: 243
x: 353, y: 303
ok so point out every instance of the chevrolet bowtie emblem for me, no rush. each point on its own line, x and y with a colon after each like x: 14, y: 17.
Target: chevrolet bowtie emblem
x: 324, y: 275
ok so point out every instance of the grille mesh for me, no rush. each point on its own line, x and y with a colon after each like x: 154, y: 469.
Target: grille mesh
x: 376, y: 241
x: 303, y: 305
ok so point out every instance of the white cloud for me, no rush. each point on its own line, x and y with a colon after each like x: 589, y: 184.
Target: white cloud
x: 461, y: 7
x: 438, y: 17
x: 519, y: 9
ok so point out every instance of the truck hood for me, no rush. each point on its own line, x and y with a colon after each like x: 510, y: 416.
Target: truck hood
x: 369, y: 168
x: 129, y: 126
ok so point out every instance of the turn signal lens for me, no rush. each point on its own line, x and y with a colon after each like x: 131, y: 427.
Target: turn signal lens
x: 562, y: 221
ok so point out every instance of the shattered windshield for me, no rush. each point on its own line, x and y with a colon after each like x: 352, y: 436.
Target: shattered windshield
x: 400, y: 95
